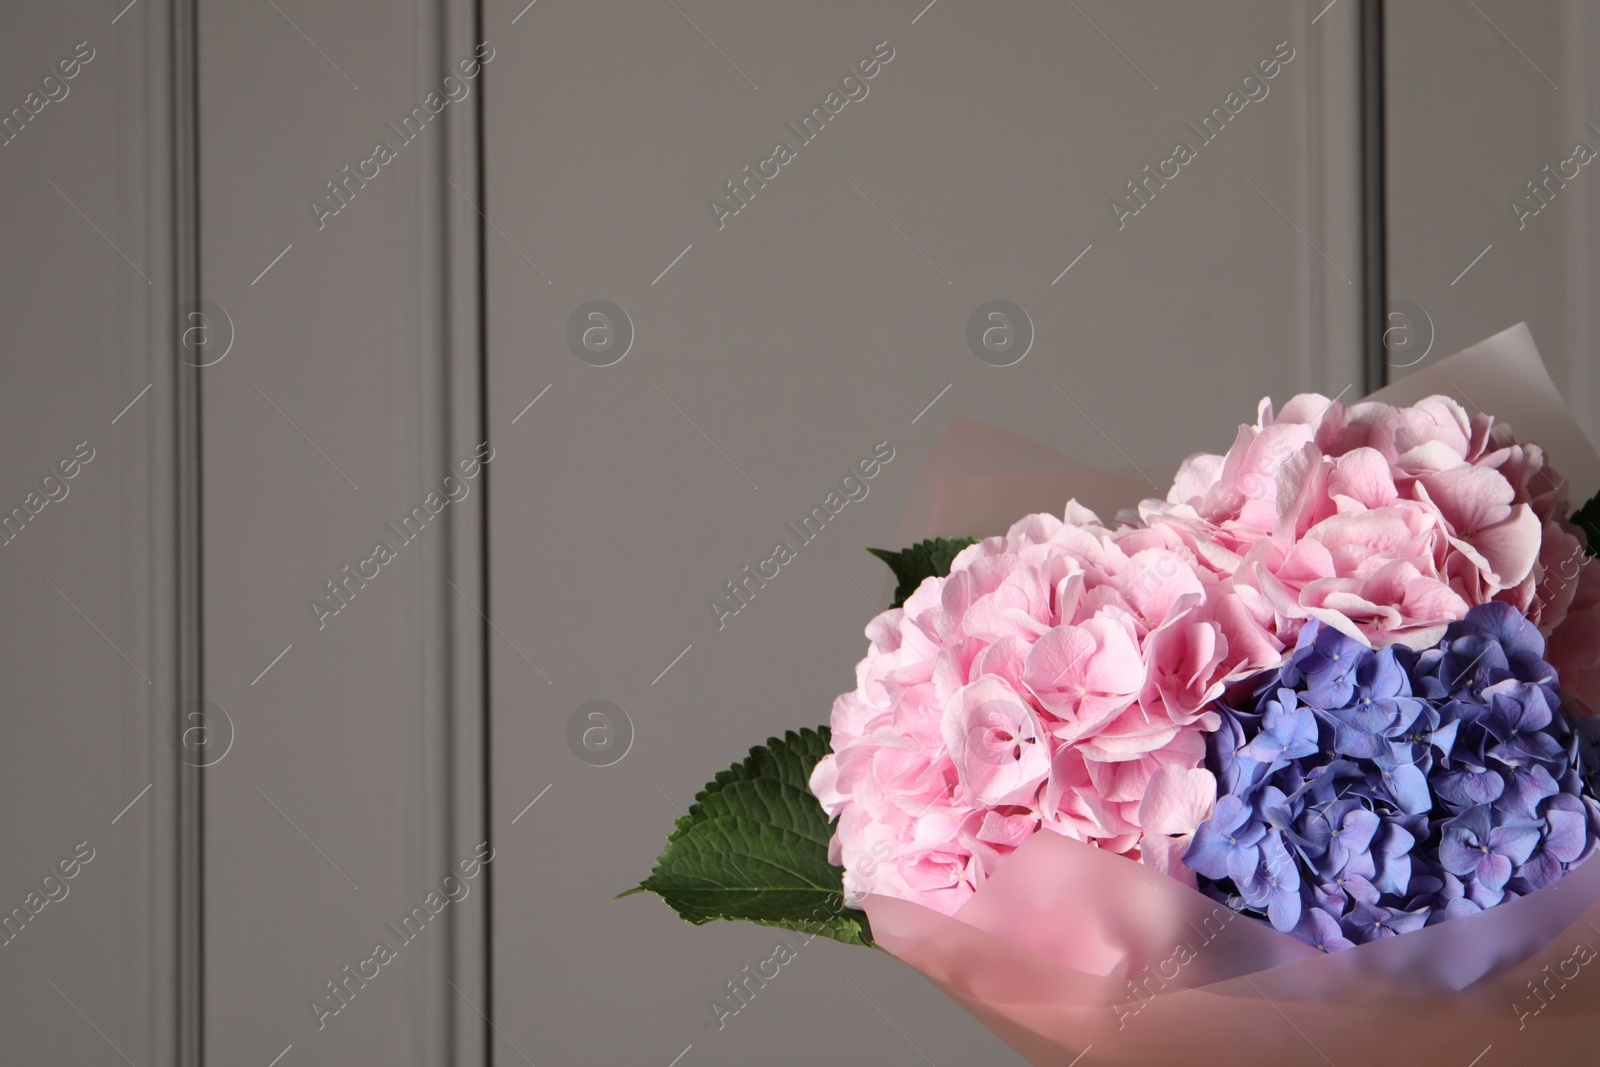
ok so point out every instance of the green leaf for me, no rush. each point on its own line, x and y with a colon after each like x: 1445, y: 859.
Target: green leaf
x: 1588, y: 517
x: 925, y: 559
x: 754, y: 846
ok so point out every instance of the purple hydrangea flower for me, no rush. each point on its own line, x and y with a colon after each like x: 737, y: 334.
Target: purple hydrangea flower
x: 1371, y: 792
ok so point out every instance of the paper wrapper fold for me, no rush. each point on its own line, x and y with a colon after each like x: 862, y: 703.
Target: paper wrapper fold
x: 1067, y: 948
x: 979, y: 479
x: 1069, y: 952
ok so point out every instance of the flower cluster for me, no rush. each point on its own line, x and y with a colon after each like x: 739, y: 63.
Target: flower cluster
x: 1384, y: 523
x: 1059, y: 678
x: 1368, y: 792
x: 1065, y: 676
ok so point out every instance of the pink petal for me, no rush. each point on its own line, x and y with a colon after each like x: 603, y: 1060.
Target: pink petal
x: 1470, y: 498
x: 997, y: 743
x: 1512, y: 547
x: 1364, y: 476
x: 1177, y: 801
x: 1165, y: 854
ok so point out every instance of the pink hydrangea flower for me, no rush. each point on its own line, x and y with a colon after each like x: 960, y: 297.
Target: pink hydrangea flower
x: 1385, y: 523
x: 1058, y: 679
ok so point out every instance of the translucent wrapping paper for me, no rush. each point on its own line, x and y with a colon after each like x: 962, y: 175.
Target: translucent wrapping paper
x: 1077, y: 956
x: 1069, y: 951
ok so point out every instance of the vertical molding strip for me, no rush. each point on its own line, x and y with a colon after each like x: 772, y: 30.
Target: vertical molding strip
x: 1374, y: 227
x: 485, y: 733
x: 1581, y: 63
x: 1332, y: 311
x: 188, y: 688
x: 463, y: 310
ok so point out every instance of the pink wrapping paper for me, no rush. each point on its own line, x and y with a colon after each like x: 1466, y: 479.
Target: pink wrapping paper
x: 1077, y: 956
x: 1067, y: 950
x: 979, y: 479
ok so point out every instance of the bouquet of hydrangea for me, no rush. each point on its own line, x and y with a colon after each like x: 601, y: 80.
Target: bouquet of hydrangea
x: 1295, y: 762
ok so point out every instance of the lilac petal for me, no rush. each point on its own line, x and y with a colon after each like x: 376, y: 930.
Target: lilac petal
x: 1453, y: 890
x: 1209, y: 853
x: 1320, y: 930
x: 1522, y: 749
x: 1404, y: 922
x: 1368, y: 921
x: 1299, y: 731
x: 1485, y: 896
x: 1526, y: 788
x: 1359, y: 888
x: 1458, y: 857
x: 1231, y: 813
x: 1468, y: 786
x: 1473, y: 663
x: 1242, y: 865
x: 1516, y: 842
x: 1288, y: 734
x: 1327, y: 897
x: 1507, y: 626
x: 1382, y: 675
x: 1405, y: 713
x: 1283, y: 909
x: 1256, y: 893
x: 1394, y: 874
x: 1459, y: 851
x: 1408, y: 786
x: 1458, y: 908
x: 1516, y: 708
x: 1444, y: 738
x: 1357, y: 830
x: 1542, y: 869
x: 1424, y: 887
x: 1357, y: 734
x: 1568, y: 832
x: 1493, y: 870
x: 1474, y: 822
x: 1278, y: 865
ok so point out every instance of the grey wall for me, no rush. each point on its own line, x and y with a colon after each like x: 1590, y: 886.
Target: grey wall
x: 820, y: 320
x: 89, y: 642
x: 349, y: 395
x: 1480, y: 103
x: 354, y: 760
x: 342, y: 763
